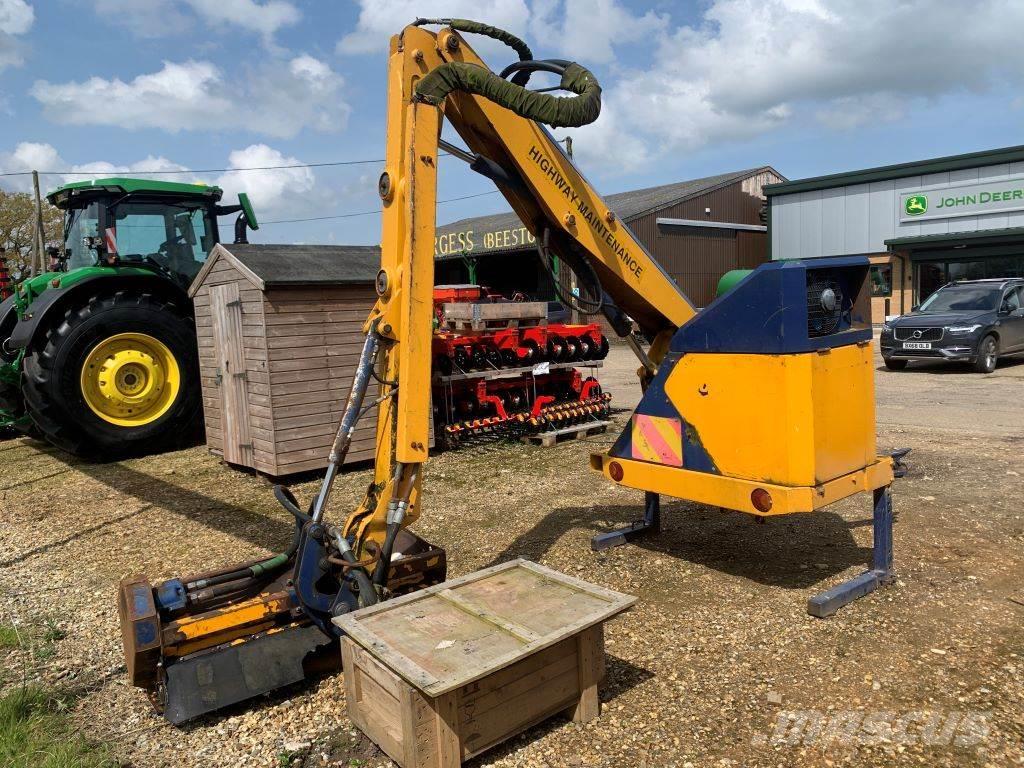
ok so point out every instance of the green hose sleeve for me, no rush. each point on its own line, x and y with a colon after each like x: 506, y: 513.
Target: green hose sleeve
x: 555, y: 111
x: 478, y: 28
x: 269, y: 565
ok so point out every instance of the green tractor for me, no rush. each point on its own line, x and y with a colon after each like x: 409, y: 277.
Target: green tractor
x: 98, y: 356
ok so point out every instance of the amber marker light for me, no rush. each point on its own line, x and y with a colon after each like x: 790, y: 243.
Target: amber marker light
x: 761, y: 499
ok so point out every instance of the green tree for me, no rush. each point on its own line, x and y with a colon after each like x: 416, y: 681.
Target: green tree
x: 17, y: 217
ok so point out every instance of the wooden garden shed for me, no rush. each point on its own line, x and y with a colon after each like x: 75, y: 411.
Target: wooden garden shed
x: 279, y: 330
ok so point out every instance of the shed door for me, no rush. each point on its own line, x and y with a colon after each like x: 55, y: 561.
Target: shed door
x: 226, y: 312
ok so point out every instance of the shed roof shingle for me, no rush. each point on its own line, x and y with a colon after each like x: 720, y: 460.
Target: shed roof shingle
x: 278, y: 265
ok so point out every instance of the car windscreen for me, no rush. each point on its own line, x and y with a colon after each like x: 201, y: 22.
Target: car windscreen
x: 963, y: 298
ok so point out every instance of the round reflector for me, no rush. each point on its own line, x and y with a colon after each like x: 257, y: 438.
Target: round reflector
x: 615, y: 470
x: 761, y: 499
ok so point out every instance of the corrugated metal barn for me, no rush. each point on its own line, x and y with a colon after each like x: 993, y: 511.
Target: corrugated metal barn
x: 697, y: 230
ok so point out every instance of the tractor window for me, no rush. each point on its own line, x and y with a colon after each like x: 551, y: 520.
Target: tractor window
x: 177, y: 237
x: 141, y: 230
x: 81, y: 224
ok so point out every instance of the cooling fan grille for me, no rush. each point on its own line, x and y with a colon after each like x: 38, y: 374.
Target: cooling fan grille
x: 826, y: 304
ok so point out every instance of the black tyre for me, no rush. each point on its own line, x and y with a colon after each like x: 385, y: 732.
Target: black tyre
x: 117, y: 377
x: 894, y: 365
x: 988, y: 355
x: 11, y: 401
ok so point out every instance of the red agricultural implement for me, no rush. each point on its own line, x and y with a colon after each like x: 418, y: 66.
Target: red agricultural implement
x: 500, y: 368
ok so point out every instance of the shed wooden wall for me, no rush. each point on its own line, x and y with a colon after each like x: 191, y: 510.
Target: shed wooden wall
x: 301, y: 346
x: 313, y: 340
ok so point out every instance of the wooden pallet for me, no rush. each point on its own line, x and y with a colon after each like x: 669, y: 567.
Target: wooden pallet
x: 547, y: 439
x: 464, y: 316
x: 443, y: 674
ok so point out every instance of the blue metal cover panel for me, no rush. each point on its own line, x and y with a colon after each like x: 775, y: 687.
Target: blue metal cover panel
x: 767, y: 313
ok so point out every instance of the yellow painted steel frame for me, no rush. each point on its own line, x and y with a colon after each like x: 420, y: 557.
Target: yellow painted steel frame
x: 554, y: 195
x: 735, y: 493
x: 205, y: 630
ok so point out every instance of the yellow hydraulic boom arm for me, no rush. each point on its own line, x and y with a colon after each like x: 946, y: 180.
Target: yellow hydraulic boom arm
x: 544, y: 188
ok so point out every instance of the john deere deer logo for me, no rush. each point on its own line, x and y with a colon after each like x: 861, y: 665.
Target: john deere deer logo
x: 915, y: 205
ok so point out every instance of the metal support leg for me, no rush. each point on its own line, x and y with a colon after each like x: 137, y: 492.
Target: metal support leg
x: 651, y: 523
x: 880, y: 574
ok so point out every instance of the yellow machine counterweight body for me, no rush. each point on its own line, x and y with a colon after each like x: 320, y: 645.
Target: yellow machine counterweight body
x: 801, y: 419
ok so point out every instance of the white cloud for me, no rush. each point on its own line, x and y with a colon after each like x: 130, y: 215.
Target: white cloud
x: 380, y: 19
x: 266, y: 17
x: 29, y: 155
x: 281, y: 192
x: 291, y: 192
x: 194, y: 95
x: 16, y: 18
x: 161, y: 18
x: 588, y: 30
x: 752, y: 66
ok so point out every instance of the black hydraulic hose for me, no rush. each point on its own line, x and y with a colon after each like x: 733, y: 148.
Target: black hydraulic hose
x: 367, y: 593
x: 380, y: 573
x: 574, y: 302
x: 396, y: 515
x: 264, y: 567
x: 556, y: 67
x: 287, y: 500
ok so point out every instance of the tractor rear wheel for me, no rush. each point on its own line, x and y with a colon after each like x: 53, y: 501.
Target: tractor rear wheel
x: 10, y: 389
x: 117, y: 377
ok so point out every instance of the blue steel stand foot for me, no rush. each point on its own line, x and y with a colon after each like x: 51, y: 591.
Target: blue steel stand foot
x: 880, y: 574
x: 650, y: 524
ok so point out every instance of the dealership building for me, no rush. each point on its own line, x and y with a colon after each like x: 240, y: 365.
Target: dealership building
x: 696, y: 230
x: 922, y: 224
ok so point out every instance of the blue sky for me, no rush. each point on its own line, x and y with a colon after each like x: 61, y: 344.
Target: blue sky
x: 691, y: 89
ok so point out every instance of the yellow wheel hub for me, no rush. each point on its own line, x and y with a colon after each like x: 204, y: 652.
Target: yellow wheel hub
x: 130, y: 379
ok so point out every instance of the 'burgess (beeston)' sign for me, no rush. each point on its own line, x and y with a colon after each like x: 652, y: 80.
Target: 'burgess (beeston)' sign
x: 467, y: 241
x: 973, y: 199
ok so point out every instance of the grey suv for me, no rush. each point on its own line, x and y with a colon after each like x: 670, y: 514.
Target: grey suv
x: 972, y: 321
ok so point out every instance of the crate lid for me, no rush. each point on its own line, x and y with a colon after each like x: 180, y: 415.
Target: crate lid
x: 445, y: 636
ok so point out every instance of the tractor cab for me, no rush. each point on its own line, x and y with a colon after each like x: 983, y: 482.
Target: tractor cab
x: 167, y: 226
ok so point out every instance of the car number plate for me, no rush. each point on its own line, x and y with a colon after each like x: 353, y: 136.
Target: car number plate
x: 917, y: 345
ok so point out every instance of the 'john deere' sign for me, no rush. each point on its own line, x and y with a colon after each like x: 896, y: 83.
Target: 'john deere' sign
x: 974, y: 199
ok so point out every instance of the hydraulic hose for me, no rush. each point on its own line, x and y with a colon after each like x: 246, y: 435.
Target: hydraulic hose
x: 261, y: 567
x: 554, y: 111
x: 479, y: 28
x: 557, y: 112
x: 367, y: 594
x: 397, y: 509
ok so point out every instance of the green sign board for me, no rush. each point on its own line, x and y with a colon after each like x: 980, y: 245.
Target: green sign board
x: 969, y: 199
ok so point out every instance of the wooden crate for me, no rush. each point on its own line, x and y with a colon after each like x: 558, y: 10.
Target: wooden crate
x: 441, y: 675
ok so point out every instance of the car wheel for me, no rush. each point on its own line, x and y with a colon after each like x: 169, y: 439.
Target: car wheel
x: 988, y: 354
x: 894, y: 365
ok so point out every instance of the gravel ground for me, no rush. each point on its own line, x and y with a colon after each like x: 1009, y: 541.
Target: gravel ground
x: 701, y: 672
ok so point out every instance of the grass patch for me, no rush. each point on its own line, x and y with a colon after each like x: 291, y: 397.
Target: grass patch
x: 39, y: 638
x: 9, y: 636
x: 35, y: 733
